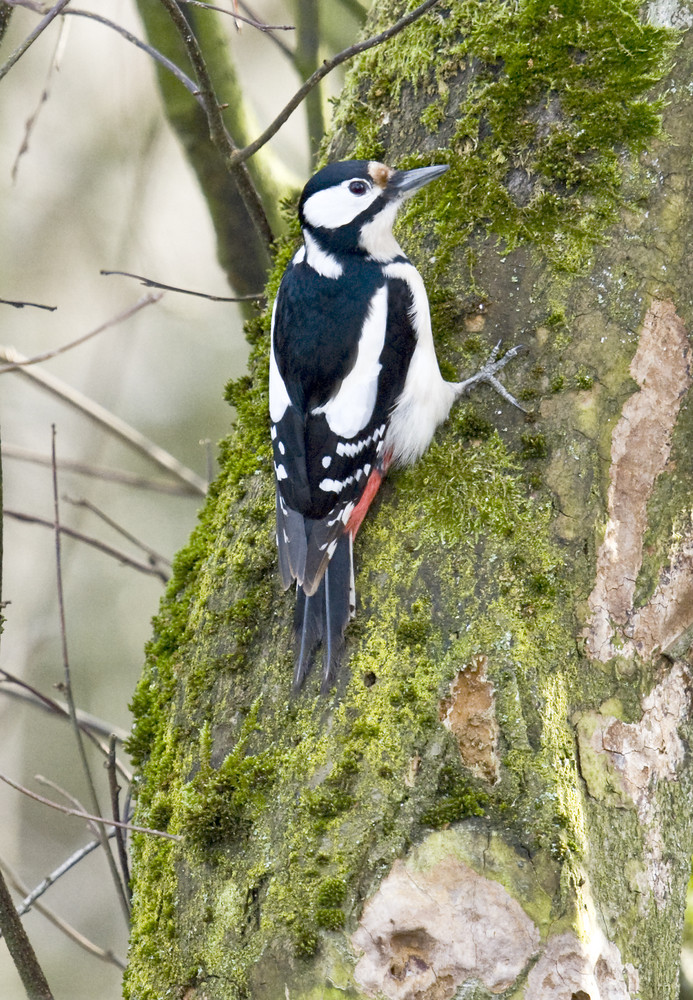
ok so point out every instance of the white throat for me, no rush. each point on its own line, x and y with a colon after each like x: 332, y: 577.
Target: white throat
x: 377, y: 238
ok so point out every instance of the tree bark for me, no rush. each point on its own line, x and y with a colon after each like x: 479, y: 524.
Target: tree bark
x: 496, y: 799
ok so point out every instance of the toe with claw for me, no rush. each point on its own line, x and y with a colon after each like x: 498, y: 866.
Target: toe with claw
x: 489, y: 372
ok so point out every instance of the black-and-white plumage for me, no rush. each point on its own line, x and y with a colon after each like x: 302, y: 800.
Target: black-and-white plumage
x: 354, y: 386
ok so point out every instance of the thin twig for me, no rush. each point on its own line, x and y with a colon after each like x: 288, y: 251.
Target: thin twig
x: 19, y: 945
x: 76, y: 804
x: 154, y: 557
x: 186, y: 291
x: 114, y: 788
x: 53, y: 68
x: 95, y: 543
x: 275, y: 38
x: 218, y: 132
x: 44, y: 885
x: 31, y: 38
x: 69, y: 698
x: 87, y: 816
x: 89, y: 723
x: 100, y: 472
x: 127, y: 35
x: 241, y: 155
x: 24, y: 305
x: 260, y: 25
x: 146, y: 300
x: 106, y: 419
x: 71, y: 932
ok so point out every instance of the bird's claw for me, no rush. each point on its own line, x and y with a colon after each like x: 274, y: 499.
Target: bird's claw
x: 488, y: 374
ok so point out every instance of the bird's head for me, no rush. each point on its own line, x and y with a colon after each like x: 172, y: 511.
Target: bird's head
x: 350, y: 206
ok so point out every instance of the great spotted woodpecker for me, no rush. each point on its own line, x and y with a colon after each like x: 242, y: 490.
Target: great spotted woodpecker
x: 354, y: 386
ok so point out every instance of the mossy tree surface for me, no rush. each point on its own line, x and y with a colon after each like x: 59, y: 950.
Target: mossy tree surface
x: 495, y: 799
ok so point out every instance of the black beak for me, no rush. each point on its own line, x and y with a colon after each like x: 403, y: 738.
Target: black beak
x: 404, y: 183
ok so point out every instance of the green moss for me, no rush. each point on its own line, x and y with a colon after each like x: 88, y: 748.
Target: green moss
x: 329, y: 918
x: 331, y: 892
x: 583, y: 379
x: 534, y: 446
x: 219, y: 802
x: 558, y: 91
x: 455, y: 799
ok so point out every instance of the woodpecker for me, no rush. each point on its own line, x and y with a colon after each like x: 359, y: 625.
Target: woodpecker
x: 354, y: 386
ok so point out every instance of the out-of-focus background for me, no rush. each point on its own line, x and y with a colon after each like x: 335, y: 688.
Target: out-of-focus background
x: 103, y: 184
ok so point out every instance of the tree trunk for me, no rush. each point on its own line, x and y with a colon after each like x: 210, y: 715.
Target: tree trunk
x: 496, y: 799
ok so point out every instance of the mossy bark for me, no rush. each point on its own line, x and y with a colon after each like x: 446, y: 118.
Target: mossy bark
x: 495, y: 800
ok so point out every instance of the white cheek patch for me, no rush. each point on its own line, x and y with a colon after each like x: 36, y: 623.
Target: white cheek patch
x: 337, y: 206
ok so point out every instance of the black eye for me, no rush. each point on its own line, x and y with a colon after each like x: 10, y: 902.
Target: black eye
x: 358, y: 187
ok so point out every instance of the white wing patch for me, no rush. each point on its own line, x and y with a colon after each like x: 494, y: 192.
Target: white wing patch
x: 351, y: 408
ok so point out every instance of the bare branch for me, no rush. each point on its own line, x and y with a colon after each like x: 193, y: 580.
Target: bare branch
x: 100, y: 472
x: 277, y: 41
x: 217, y: 129
x: 186, y: 291
x: 30, y: 39
x: 146, y: 300
x: 108, y: 550
x: 241, y: 155
x: 53, y: 68
x: 114, y: 788
x: 110, y: 421
x: 89, y: 723
x: 44, y: 885
x: 69, y: 698
x: 154, y: 557
x: 94, y: 949
x: 87, y: 816
x: 23, y: 955
x: 306, y: 60
x: 253, y: 22
x: 24, y: 305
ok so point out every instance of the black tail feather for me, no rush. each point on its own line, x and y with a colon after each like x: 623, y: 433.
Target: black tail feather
x: 323, y: 617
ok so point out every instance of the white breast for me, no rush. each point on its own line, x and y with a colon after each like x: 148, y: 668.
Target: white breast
x: 426, y: 398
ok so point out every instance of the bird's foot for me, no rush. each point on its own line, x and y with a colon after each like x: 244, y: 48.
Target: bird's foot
x: 488, y: 375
